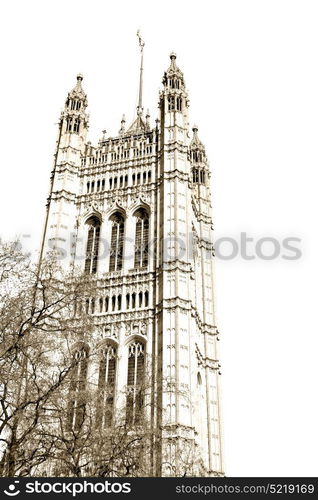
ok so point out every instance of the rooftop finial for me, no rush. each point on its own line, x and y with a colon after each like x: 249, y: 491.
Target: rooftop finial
x: 141, y: 45
x: 123, y: 123
x: 79, y: 78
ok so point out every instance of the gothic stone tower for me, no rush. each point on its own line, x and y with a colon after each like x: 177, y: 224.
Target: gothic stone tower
x: 134, y: 212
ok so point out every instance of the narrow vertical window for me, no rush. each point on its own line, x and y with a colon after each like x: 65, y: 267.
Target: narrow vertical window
x: 117, y: 242
x: 113, y: 303
x: 106, y: 385
x: 171, y: 103
x: 135, y: 382
x: 141, y: 238
x: 69, y: 124
x: 76, y: 405
x: 76, y: 126
x: 133, y: 300
x: 92, y: 246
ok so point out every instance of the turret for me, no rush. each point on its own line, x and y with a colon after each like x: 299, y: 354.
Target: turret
x: 174, y: 103
x: 198, y: 159
x: 74, y: 116
x: 65, y: 180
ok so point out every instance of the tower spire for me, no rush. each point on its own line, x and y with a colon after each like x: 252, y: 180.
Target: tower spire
x: 141, y: 45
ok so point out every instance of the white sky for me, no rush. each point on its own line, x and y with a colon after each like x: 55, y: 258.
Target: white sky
x: 251, y: 72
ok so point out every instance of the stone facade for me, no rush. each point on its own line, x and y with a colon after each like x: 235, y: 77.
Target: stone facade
x: 135, y: 212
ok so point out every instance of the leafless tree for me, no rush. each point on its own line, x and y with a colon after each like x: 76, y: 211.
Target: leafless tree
x: 43, y: 315
x: 37, y: 326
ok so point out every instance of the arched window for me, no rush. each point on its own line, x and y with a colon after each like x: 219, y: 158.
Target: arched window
x: 117, y: 242
x: 106, y: 385
x: 135, y: 382
x: 92, y: 246
x: 133, y: 300
x: 69, y: 124
x: 146, y: 299
x: 76, y: 126
x: 171, y: 103
x: 179, y: 103
x: 127, y: 301
x: 141, y: 238
x: 76, y: 405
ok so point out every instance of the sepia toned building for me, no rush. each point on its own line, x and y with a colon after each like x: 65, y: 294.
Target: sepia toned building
x: 134, y: 212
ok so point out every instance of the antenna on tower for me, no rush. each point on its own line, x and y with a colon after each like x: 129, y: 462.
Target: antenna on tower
x: 141, y: 45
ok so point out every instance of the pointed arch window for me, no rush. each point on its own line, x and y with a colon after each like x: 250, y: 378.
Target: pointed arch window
x: 171, y: 103
x: 117, y: 242
x: 179, y: 103
x: 141, y: 238
x: 135, y: 382
x: 69, y: 124
x: 106, y: 385
x: 77, y: 123
x: 76, y: 405
x: 92, y: 247
x: 133, y: 300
